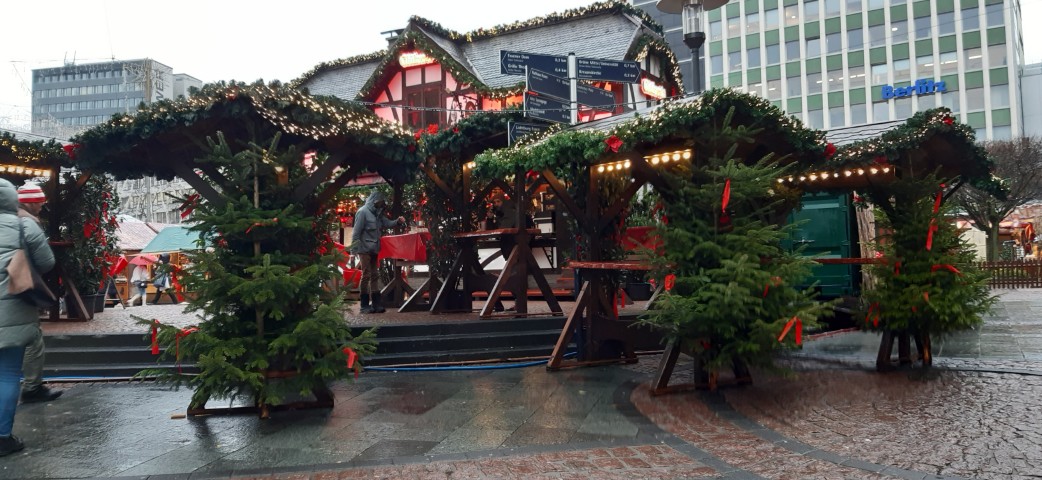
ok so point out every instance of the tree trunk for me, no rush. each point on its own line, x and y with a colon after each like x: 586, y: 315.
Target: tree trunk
x: 993, y: 242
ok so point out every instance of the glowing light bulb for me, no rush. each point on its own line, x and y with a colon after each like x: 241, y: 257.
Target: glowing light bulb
x: 676, y: 156
x: 860, y: 172
x: 600, y: 169
x: 626, y: 164
x: 847, y: 173
x: 654, y: 160
x: 687, y: 154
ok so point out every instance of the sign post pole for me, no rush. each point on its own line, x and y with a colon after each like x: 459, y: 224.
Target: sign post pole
x: 574, y: 81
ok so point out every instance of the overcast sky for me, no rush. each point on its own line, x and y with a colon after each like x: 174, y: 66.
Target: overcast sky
x: 244, y: 40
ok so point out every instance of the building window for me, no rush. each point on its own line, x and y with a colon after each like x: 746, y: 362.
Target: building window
x: 879, y: 75
x: 971, y: 18
x: 999, y: 96
x: 946, y: 23
x: 754, y: 57
x: 950, y: 99
x: 813, y: 47
x: 995, y: 14
x: 880, y: 112
x: 974, y: 99
x: 814, y: 83
x: 903, y: 108
x: 752, y: 23
x: 837, y: 117
x: 856, y: 77
x: 756, y: 89
x: 924, y: 66
x: 716, y: 30
x: 858, y: 114
x: 997, y: 56
x: 792, y: 15
x: 773, y: 54
x: 922, y: 27
x: 834, y: 42
x: 816, y: 119
x: 927, y: 102
x: 899, y: 31
x: 874, y: 4
x: 853, y: 6
x: 1001, y: 133
x: 877, y: 35
x: 811, y: 10
x: 832, y: 8
x: 973, y: 59
x: 774, y: 91
x: 835, y: 78
x: 949, y: 62
x: 792, y: 50
x: 716, y: 64
x: 902, y: 71
x: 426, y: 96
x: 770, y: 19
x: 734, y: 61
x: 794, y: 86
x: 734, y: 26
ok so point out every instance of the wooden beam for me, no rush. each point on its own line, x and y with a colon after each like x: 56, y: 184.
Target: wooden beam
x: 622, y: 202
x: 320, y: 175
x: 330, y: 191
x: 562, y: 193
x: 198, y: 183
x: 569, y: 329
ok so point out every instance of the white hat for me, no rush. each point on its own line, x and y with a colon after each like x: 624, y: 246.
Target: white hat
x: 31, y: 193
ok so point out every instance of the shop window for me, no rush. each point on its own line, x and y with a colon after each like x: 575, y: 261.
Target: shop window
x: 834, y: 42
x: 855, y: 39
x: 971, y: 18
x: 899, y: 31
x: 973, y: 58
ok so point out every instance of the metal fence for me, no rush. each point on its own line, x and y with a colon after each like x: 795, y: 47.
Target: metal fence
x: 1014, y: 274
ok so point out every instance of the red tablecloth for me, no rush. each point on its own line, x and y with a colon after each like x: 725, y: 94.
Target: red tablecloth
x: 635, y: 237
x: 411, y: 246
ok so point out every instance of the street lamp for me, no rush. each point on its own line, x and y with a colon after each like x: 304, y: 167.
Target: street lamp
x: 691, y: 20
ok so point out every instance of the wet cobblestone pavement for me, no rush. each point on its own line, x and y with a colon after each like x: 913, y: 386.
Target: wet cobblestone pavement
x: 978, y: 415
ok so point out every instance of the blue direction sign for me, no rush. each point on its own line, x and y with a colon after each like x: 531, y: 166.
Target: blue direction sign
x: 594, y: 97
x: 514, y: 63
x: 607, y: 70
x: 545, y: 84
x: 518, y: 130
x: 547, y: 108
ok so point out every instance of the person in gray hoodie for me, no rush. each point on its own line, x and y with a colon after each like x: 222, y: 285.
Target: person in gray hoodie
x: 19, y: 320
x: 370, y: 222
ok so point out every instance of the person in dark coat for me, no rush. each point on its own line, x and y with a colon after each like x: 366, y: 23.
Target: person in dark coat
x: 162, y: 281
x: 19, y: 320
x: 369, y: 226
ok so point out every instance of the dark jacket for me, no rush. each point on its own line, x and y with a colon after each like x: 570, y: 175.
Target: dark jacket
x: 370, y: 223
x: 19, y: 320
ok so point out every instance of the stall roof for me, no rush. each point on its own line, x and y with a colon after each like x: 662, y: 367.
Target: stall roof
x: 136, y: 235
x: 172, y: 239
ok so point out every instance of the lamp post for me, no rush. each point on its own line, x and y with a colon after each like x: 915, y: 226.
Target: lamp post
x: 691, y: 12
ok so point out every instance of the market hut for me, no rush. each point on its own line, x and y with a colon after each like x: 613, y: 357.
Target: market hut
x: 268, y: 214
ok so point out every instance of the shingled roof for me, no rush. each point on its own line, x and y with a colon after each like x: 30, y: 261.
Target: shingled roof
x: 611, y: 29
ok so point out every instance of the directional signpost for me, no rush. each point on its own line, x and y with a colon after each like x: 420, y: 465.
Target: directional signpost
x: 516, y: 130
x: 556, y: 99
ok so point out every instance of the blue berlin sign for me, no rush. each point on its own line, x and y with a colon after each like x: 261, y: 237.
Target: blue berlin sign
x: 920, y: 87
x: 547, y: 108
x: 514, y: 63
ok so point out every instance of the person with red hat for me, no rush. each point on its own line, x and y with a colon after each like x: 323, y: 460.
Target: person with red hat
x: 31, y: 200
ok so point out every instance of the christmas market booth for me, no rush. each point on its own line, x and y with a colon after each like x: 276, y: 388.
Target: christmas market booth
x: 272, y: 330
x: 712, y: 162
x: 77, y: 218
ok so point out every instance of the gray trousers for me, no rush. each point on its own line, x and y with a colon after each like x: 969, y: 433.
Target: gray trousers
x: 32, y: 365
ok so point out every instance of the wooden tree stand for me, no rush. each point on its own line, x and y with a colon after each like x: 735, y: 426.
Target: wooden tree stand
x: 702, y: 380
x: 323, y: 399
x: 884, y: 362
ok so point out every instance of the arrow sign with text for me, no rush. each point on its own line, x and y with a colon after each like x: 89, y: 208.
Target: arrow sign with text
x: 545, y: 84
x: 517, y: 130
x: 547, y: 108
x: 607, y: 70
x: 594, y: 97
x: 514, y: 63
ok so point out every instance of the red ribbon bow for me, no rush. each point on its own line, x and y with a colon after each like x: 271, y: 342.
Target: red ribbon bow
x: 950, y: 268
x: 788, y: 326
x: 875, y: 320
x: 155, y: 337
x: 671, y: 281
x: 175, y: 271
x: 724, y: 200
x: 830, y: 150
x: 70, y: 150
x: 188, y: 205
x: 351, y: 357
x: 184, y: 332
x: 933, y: 221
x: 263, y: 224
x: 775, y: 281
x: 614, y: 143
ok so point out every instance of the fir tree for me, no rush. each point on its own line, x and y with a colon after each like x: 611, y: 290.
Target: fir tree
x: 735, y: 288
x: 270, y: 329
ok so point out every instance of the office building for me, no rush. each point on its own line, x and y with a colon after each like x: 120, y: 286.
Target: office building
x: 71, y: 98
x: 840, y: 63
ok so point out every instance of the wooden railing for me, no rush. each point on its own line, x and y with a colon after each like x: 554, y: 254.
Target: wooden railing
x: 1014, y: 274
